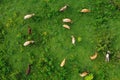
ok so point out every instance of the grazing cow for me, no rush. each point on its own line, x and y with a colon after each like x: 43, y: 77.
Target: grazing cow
x: 85, y: 10
x: 28, y: 69
x: 63, y: 63
x: 83, y: 74
x: 29, y: 30
x: 73, y: 40
x: 67, y: 20
x: 28, y: 16
x: 63, y: 8
x: 66, y: 26
x: 28, y: 42
x: 94, y: 56
x: 107, y: 56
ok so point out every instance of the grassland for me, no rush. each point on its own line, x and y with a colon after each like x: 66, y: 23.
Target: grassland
x: 99, y: 31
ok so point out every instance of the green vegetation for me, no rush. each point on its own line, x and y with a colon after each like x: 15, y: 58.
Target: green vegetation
x: 95, y: 31
x: 89, y: 77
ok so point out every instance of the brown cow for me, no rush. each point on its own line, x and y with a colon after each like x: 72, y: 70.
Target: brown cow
x: 28, y: 69
x: 29, y: 30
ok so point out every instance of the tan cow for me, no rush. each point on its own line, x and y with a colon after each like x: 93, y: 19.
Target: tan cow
x: 66, y: 26
x: 85, y: 10
x: 63, y: 8
x: 94, y: 56
x: 63, y: 63
x: 83, y: 74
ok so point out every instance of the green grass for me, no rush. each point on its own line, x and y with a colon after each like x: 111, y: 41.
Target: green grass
x: 99, y: 31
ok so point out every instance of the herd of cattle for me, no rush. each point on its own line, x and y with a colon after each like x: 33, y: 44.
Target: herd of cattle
x: 65, y: 20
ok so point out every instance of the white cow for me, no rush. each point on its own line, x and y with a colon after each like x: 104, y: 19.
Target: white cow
x: 67, y: 20
x: 73, y: 40
x: 107, y: 56
x: 28, y: 42
x: 28, y: 16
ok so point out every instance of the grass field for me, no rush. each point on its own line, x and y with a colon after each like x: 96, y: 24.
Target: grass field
x: 97, y: 31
